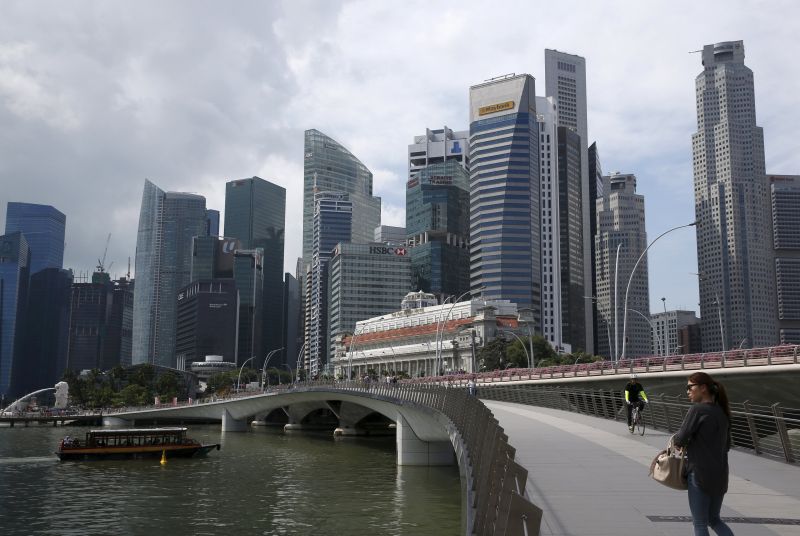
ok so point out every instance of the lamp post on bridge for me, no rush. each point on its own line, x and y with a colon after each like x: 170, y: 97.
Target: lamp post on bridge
x: 266, y: 363
x: 528, y: 322
x: 520, y: 341
x: 630, y: 279
x: 719, y: 313
x: 239, y: 379
x: 652, y: 328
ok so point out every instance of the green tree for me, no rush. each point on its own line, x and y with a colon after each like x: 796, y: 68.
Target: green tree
x: 493, y: 355
x: 167, y: 386
x: 134, y: 395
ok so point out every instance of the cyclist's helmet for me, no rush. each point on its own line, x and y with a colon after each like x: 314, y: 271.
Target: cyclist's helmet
x: 634, y: 376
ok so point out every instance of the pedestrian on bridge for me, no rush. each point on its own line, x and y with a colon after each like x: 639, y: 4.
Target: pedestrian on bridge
x: 706, y: 436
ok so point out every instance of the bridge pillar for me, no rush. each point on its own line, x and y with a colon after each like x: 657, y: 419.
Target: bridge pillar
x: 229, y: 424
x: 116, y: 421
x: 411, y: 450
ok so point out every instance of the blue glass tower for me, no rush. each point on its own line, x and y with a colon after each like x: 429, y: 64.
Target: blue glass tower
x: 44, y: 228
x: 505, y: 256
x: 15, y: 258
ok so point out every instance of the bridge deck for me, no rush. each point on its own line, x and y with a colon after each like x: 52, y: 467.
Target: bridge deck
x: 590, y: 477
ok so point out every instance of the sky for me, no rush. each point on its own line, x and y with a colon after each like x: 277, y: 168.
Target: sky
x: 96, y: 97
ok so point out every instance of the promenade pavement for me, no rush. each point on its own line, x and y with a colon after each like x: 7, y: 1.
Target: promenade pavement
x: 590, y: 477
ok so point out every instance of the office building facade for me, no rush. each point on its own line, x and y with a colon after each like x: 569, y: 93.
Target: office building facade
x: 365, y: 280
x: 207, y: 321
x: 785, y: 197
x: 293, y: 324
x: 734, y: 246
x: 666, y: 330
x: 388, y: 234
x: 168, y: 221
x: 333, y: 223
x: 329, y: 167
x: 595, y: 191
x: 15, y: 258
x: 565, y: 79
x: 44, y: 228
x: 255, y: 213
x: 620, y: 239
x: 505, y: 224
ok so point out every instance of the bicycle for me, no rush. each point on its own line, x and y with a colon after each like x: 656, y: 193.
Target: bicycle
x: 637, y: 422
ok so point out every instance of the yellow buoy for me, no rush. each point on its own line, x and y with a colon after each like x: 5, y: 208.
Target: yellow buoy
x: 163, y: 457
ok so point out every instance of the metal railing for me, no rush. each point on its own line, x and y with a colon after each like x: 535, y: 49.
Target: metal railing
x: 765, y: 430
x: 751, y: 357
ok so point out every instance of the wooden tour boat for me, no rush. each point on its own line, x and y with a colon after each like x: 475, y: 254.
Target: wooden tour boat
x: 132, y: 443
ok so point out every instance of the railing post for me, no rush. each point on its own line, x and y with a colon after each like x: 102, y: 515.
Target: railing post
x: 783, y: 433
x: 744, y: 359
x: 769, y: 356
x: 795, y: 355
x: 751, y: 425
x: 722, y: 361
x: 665, y: 411
x: 683, y: 361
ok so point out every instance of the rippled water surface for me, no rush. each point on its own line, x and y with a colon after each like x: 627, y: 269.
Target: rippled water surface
x: 261, y: 482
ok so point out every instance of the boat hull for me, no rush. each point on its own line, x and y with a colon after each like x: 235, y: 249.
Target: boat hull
x: 129, y: 453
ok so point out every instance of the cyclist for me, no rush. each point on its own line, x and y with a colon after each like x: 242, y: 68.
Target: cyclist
x: 634, y: 396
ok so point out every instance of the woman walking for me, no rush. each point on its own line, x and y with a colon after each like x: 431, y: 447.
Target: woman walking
x: 706, y: 436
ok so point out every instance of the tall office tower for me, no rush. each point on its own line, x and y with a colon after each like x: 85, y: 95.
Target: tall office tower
x: 437, y: 212
x: 212, y: 222
x: 44, y: 228
x: 366, y: 280
x: 212, y: 257
x: 387, y: 234
x: 292, y: 311
x: 785, y: 194
x: 167, y: 223
x: 329, y: 167
x: 44, y: 342
x: 333, y: 220
x: 621, y: 227
x: 255, y: 213
x: 571, y: 236
x: 120, y: 324
x: 207, y: 316
x: 248, y: 270
x: 15, y: 258
x: 505, y: 225
x: 90, y: 305
x: 734, y: 246
x: 551, y: 229
x: 565, y: 79
x: 595, y: 191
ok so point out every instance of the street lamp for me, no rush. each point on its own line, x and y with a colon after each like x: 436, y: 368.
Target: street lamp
x: 291, y: 374
x: 266, y: 363
x: 297, y: 363
x: 520, y: 341
x: 719, y: 313
x: 630, y: 278
x: 652, y: 328
x: 471, y: 344
x: 608, y: 326
x: 239, y: 379
x: 666, y: 328
x: 528, y: 322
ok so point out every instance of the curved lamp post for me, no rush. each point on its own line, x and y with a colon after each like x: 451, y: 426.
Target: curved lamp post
x: 719, y: 313
x: 531, y: 357
x: 520, y: 341
x: 440, y: 336
x: 239, y: 379
x: 266, y: 363
x: 652, y: 328
x: 630, y: 278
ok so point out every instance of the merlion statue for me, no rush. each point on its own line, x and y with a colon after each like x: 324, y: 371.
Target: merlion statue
x: 62, y: 395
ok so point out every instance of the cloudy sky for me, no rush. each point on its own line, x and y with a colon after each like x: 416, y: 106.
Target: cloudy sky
x: 97, y: 96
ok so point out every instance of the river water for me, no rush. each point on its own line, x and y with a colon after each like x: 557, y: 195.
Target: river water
x: 261, y: 482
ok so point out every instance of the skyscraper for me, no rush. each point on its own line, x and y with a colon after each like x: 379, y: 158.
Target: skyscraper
x: 565, y: 79
x: 15, y: 258
x: 333, y: 219
x: 437, y: 212
x: 734, y: 246
x: 330, y: 167
x: 167, y: 223
x: 595, y: 191
x: 255, y: 213
x: 44, y: 228
x: 505, y: 256
x: 621, y: 227
x: 785, y: 194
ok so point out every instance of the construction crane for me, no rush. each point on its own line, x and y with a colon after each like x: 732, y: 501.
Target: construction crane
x: 101, y: 262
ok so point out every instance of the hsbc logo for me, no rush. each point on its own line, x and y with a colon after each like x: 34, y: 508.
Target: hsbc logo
x: 387, y: 250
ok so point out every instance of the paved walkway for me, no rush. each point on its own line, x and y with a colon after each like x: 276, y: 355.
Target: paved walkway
x: 590, y: 476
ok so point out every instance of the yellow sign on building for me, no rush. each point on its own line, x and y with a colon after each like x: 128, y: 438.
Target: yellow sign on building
x: 499, y: 107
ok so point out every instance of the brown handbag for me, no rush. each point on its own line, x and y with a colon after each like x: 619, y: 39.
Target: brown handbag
x: 668, y: 468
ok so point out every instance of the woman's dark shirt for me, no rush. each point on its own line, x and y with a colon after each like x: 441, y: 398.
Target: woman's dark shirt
x: 705, y: 434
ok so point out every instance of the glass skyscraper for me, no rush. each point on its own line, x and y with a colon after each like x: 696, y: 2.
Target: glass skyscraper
x: 255, y: 213
x: 44, y: 228
x: 329, y: 167
x: 437, y: 212
x: 168, y: 221
x: 15, y: 258
x: 505, y: 256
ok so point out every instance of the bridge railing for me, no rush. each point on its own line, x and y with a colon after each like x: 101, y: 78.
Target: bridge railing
x: 765, y: 430
x: 750, y: 357
x: 498, y: 502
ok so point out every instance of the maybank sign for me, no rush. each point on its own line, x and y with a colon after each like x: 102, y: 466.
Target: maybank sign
x: 493, y: 108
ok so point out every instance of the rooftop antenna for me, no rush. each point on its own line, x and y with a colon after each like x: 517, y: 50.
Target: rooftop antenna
x: 129, y: 268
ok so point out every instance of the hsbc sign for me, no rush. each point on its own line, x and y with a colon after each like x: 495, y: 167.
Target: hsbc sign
x: 387, y: 250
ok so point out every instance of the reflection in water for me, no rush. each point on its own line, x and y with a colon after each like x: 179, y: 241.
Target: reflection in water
x: 261, y: 482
